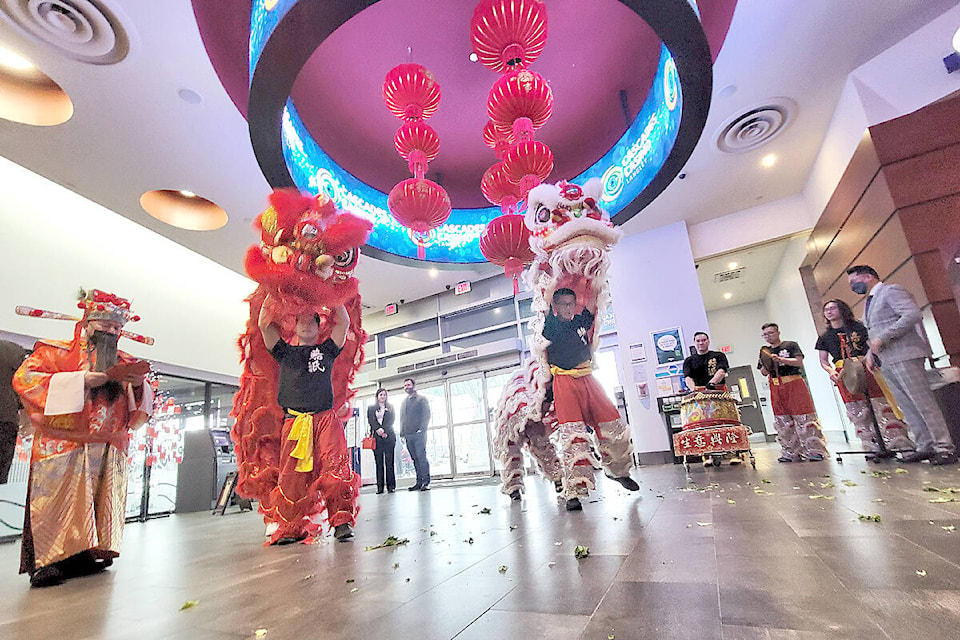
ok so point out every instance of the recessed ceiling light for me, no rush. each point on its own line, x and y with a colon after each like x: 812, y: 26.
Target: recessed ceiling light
x: 190, y: 96
x: 14, y: 61
x: 434, y: 273
x: 727, y: 295
x: 473, y: 57
x: 733, y: 265
x: 28, y: 95
x: 727, y: 91
x: 768, y: 160
x: 178, y: 209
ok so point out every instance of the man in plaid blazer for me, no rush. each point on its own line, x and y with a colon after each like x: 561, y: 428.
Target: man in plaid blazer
x: 891, y: 316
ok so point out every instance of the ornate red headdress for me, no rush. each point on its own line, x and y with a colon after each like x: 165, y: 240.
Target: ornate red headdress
x: 308, y: 249
x: 96, y: 305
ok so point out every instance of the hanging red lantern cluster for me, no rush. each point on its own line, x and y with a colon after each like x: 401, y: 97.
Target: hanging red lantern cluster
x: 508, y: 35
x: 412, y: 94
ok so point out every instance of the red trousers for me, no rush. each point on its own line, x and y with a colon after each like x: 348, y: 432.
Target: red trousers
x: 582, y: 400
x: 330, y: 485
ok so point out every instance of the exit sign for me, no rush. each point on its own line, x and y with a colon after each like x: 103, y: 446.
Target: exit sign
x: 462, y: 287
x: 726, y: 348
x: 390, y: 309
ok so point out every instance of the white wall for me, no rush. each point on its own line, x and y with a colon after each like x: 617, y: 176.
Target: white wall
x: 739, y: 327
x: 654, y: 286
x: 55, y: 241
x: 786, y: 304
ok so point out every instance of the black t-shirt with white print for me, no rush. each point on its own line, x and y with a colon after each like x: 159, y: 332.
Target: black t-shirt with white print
x: 305, y: 370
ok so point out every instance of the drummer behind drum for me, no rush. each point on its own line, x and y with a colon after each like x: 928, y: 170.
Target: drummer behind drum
x: 707, y: 369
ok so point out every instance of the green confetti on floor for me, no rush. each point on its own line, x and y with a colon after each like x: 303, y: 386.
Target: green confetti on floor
x: 581, y: 552
x: 391, y: 541
x: 189, y: 604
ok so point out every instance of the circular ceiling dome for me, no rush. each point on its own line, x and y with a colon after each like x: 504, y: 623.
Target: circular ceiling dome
x: 604, y: 63
x: 84, y: 30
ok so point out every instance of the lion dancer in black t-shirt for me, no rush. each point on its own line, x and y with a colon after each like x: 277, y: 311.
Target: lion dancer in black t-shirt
x: 579, y: 402
x: 798, y: 428
x: 314, y: 466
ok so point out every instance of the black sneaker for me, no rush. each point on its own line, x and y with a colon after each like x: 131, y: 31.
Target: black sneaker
x: 425, y: 487
x: 343, y: 532
x: 943, y: 457
x: 558, y: 486
x: 415, y: 487
x: 49, y: 576
x: 515, y: 495
x: 916, y: 456
x: 573, y: 504
x: 627, y: 483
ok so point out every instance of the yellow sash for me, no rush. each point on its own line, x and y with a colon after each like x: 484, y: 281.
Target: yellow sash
x: 302, y: 432
x: 581, y: 370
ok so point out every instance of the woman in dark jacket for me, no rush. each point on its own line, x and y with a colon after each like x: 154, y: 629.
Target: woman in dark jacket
x: 380, y: 418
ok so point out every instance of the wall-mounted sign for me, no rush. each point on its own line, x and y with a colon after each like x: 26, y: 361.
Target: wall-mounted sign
x: 726, y: 348
x: 462, y: 287
x: 669, y: 345
x: 390, y: 309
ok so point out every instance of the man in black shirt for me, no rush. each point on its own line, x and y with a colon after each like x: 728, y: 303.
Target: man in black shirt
x: 314, y: 463
x: 798, y: 428
x: 705, y: 369
x: 414, y: 420
x: 579, y: 402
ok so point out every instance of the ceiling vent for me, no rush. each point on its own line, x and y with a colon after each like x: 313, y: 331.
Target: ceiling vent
x: 756, y: 127
x: 727, y: 276
x: 82, y: 30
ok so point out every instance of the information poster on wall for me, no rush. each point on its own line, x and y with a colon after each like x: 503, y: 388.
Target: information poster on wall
x: 668, y: 344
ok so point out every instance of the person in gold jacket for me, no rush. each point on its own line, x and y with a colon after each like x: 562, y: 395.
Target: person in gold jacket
x: 84, y: 398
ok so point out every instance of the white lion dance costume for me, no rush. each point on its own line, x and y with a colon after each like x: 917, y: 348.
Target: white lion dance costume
x: 571, y: 238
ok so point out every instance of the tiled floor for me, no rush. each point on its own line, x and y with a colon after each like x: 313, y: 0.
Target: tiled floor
x: 727, y: 553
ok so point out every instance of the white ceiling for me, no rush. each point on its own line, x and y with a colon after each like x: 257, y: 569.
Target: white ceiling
x: 754, y: 268
x: 131, y: 132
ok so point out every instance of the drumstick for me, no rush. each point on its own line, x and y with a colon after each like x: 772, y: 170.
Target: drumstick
x: 53, y: 315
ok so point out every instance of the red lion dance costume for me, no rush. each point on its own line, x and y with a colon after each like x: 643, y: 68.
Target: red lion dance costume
x: 305, y: 261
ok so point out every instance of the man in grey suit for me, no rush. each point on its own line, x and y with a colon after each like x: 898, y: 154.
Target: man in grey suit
x: 891, y: 316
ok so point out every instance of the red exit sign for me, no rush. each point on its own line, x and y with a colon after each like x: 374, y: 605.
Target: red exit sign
x: 462, y: 287
x: 390, y: 309
x: 726, y: 348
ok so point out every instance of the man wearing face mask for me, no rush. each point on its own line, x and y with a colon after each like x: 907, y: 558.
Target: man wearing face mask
x: 84, y: 398
x: 892, y: 316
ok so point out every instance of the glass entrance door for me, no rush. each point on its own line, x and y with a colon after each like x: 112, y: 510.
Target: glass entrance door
x: 470, y: 447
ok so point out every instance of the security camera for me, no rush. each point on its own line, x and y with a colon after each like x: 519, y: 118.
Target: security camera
x: 402, y: 300
x: 682, y: 176
x: 448, y: 287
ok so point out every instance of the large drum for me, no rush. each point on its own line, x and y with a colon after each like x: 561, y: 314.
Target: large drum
x: 711, y: 425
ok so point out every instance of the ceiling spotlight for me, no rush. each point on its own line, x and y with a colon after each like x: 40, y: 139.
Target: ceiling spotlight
x: 176, y: 208
x: 727, y: 295
x: 434, y: 273
x: 14, y: 61
x: 187, y: 194
x: 768, y: 160
x: 733, y: 265
x: 473, y: 57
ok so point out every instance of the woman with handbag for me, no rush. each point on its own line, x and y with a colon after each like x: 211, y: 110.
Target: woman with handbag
x: 380, y: 418
x: 843, y: 347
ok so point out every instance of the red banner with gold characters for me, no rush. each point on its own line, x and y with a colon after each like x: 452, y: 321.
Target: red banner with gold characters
x: 698, y: 442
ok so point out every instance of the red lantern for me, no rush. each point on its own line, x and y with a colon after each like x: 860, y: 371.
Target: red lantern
x: 411, y: 92
x: 528, y: 164
x: 506, y: 242
x: 420, y: 205
x: 497, y: 139
x: 521, y: 101
x: 418, y: 144
x: 498, y: 189
x: 508, y: 34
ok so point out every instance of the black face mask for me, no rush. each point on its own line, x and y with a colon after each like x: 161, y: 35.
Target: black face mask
x: 859, y: 287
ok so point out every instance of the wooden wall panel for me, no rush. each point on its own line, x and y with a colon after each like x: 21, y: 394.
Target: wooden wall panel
x: 856, y: 178
x: 930, y: 128
x: 927, y: 177
x: 933, y: 224
x: 870, y: 214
